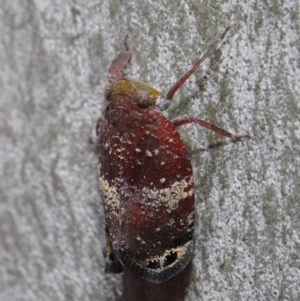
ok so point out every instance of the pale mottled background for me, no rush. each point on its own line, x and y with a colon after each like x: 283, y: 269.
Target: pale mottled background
x: 54, y: 56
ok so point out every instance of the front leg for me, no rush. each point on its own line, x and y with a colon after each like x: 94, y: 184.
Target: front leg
x: 166, y: 102
x: 119, y: 62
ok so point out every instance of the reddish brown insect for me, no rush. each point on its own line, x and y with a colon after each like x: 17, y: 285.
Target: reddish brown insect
x: 145, y: 177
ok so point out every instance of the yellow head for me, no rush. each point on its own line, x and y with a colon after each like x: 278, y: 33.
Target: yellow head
x: 140, y: 93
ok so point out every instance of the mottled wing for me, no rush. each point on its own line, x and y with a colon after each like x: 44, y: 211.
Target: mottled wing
x: 146, y: 181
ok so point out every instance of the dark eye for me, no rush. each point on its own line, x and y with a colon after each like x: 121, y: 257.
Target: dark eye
x: 142, y: 97
x: 170, y: 258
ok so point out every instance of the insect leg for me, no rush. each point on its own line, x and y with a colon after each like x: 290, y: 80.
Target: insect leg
x: 166, y: 103
x: 119, y: 62
x: 185, y: 120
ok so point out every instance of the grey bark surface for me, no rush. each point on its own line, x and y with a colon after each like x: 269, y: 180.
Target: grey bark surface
x: 54, y: 56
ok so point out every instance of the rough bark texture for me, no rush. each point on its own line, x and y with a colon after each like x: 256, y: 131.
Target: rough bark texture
x: 54, y: 56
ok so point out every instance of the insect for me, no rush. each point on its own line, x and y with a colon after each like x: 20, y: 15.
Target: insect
x: 145, y: 176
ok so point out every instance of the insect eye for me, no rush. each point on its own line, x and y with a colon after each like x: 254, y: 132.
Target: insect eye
x: 142, y: 97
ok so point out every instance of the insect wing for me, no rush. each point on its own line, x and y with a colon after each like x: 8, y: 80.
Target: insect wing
x: 145, y: 178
